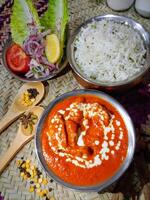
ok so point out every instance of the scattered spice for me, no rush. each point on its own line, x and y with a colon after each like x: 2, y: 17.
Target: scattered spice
x: 31, y: 189
x: 28, y: 121
x: 44, y: 181
x: 36, y: 180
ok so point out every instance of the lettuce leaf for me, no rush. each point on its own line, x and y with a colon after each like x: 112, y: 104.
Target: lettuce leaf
x: 56, y: 19
x: 23, y: 12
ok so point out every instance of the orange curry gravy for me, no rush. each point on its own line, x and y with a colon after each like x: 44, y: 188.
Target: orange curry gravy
x: 84, y: 140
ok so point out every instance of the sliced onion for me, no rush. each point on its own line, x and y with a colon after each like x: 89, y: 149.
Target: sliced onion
x: 34, y: 46
x: 29, y: 74
x: 47, y: 72
x: 44, y: 61
x: 47, y: 32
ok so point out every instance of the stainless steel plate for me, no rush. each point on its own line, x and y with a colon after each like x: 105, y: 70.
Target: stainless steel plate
x: 131, y: 140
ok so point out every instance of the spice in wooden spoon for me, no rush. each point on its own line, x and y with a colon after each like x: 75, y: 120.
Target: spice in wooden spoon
x: 23, y: 136
x: 29, y: 95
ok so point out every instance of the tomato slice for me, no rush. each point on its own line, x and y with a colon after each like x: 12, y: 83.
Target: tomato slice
x: 17, y: 59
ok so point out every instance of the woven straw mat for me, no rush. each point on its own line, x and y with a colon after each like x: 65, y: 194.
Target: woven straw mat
x: 12, y: 187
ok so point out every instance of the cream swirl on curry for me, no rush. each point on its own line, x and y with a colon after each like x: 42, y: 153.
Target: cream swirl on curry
x: 86, y: 133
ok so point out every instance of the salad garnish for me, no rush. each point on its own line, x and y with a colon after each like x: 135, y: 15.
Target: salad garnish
x: 30, y: 33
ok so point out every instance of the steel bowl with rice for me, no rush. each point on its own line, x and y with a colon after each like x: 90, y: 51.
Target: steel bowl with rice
x: 109, y: 52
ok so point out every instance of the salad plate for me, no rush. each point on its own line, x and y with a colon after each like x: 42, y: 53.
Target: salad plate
x: 35, y: 50
x: 8, y: 43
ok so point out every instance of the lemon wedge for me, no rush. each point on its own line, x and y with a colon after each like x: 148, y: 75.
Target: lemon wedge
x: 52, y: 48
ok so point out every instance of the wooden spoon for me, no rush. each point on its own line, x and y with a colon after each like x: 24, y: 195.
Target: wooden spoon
x: 17, y: 108
x: 20, y: 140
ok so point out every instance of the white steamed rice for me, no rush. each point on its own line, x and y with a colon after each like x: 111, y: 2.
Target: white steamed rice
x: 109, y: 51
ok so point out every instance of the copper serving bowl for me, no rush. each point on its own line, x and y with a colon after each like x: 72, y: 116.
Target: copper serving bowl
x: 110, y: 86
